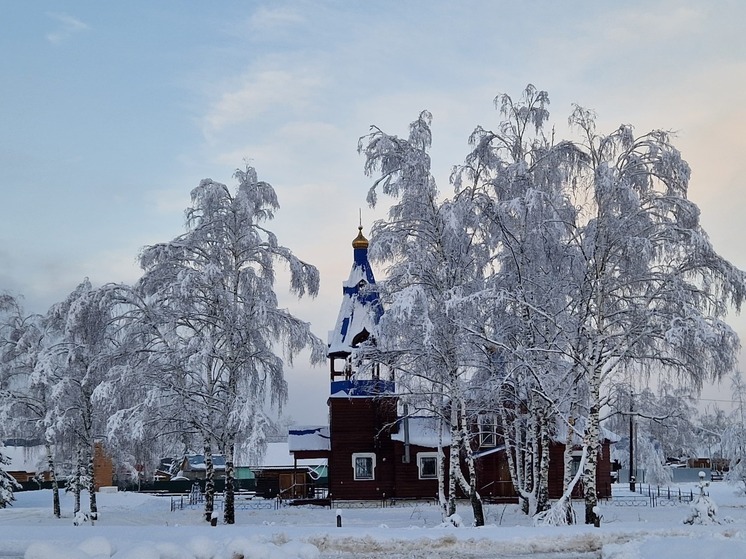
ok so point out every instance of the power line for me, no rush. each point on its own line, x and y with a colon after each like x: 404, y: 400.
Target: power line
x: 716, y: 400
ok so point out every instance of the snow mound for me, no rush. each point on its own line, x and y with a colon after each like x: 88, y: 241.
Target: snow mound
x: 697, y: 546
x: 197, y: 548
x: 168, y: 550
x: 142, y: 552
x: 41, y: 550
x: 97, y: 547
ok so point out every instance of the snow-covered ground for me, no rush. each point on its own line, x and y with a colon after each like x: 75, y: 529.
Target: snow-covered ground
x: 139, y: 526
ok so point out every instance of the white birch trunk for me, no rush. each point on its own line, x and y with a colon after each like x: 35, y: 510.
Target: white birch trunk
x: 567, y: 482
x: 561, y: 513
x: 542, y: 480
x: 470, y: 488
x: 454, y: 467
x: 53, y: 476
x: 92, y: 486
x: 591, y: 440
x: 209, y: 483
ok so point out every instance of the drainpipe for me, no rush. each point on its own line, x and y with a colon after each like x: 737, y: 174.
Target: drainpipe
x: 406, y: 434
x: 632, y: 465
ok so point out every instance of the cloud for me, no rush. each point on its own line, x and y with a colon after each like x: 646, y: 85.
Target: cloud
x: 306, y: 142
x: 640, y: 28
x: 168, y: 200
x: 265, y: 18
x: 259, y: 93
x: 117, y: 265
x: 69, y: 26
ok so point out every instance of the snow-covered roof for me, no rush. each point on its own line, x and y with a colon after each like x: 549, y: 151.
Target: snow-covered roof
x: 423, y: 431
x: 710, y: 451
x: 362, y: 388
x: 361, y: 306
x: 561, y: 432
x: 197, y: 462
x: 308, y: 438
x: 24, y: 458
x: 278, y: 455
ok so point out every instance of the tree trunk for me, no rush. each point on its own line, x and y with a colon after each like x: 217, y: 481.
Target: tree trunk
x: 591, y: 440
x: 76, y: 491
x: 209, y: 483
x: 453, y: 462
x: 542, y: 483
x: 530, y: 463
x: 77, y: 480
x: 92, y: 485
x: 229, y: 515
x: 474, y: 498
x: 514, y: 455
x: 478, y: 508
x: 53, y: 477
x: 562, y: 513
x: 568, y: 476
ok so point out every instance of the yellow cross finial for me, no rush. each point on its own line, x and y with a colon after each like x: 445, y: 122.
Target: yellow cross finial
x: 360, y: 241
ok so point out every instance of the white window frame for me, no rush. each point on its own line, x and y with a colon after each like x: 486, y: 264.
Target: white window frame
x: 372, y: 457
x: 421, y: 456
x: 487, y: 429
x: 576, y: 456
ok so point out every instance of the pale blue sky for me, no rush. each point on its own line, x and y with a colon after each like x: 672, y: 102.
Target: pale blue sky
x: 111, y: 112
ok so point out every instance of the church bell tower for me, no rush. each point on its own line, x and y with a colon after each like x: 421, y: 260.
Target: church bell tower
x: 358, y: 315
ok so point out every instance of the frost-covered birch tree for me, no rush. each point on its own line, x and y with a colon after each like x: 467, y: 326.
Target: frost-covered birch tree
x: 661, y: 426
x: 733, y: 441
x: 640, y: 287
x: 76, y: 366
x: 710, y: 427
x: 599, y: 268
x: 651, y: 290
x: 7, y: 483
x: 10, y: 385
x: 519, y: 179
x: 25, y: 396
x: 211, y: 327
x: 9, y: 311
x: 434, y: 264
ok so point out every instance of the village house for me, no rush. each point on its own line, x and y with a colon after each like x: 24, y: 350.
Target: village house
x: 28, y: 464
x: 27, y: 460
x: 278, y: 472
x: 375, y: 451
x: 190, y: 467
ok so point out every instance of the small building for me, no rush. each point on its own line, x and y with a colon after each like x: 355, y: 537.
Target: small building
x: 103, y: 467
x: 27, y: 460
x: 29, y: 466
x: 280, y: 473
x: 193, y: 467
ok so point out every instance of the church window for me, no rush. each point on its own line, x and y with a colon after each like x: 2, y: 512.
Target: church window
x: 487, y: 430
x: 363, y: 465
x: 427, y: 465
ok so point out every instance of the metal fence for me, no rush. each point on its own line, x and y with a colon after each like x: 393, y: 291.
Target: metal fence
x: 651, y: 496
x: 242, y: 501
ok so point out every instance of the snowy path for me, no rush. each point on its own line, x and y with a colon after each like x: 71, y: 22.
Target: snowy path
x: 447, y: 548
x: 138, y: 526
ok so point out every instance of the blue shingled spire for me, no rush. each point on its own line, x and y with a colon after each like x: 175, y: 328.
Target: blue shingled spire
x: 361, y: 306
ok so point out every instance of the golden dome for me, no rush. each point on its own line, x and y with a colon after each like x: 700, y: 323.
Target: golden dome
x: 360, y: 241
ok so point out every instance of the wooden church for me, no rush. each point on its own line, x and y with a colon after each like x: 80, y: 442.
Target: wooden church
x: 374, y: 451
